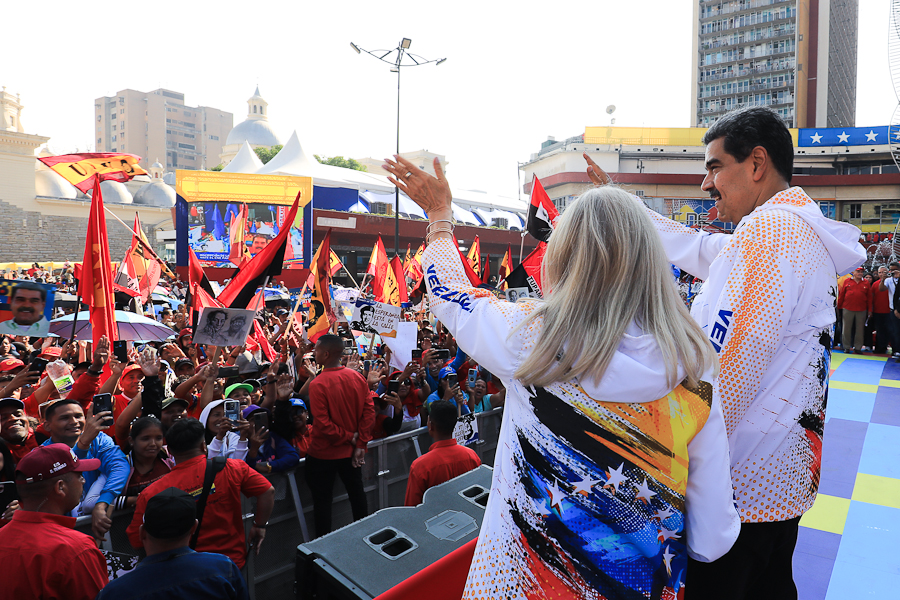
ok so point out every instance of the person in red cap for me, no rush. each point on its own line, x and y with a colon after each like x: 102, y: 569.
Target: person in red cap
x: 40, y: 546
x: 854, y: 303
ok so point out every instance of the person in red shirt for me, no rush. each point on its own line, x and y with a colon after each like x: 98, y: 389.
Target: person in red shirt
x: 15, y: 429
x: 880, y: 311
x: 41, y: 553
x: 444, y: 460
x: 854, y: 302
x: 222, y: 528
x: 343, y: 415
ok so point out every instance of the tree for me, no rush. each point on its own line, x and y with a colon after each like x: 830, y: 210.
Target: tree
x: 267, y: 154
x: 218, y: 167
x: 340, y: 161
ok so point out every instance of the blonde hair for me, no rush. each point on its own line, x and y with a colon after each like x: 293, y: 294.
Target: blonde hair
x: 603, y: 269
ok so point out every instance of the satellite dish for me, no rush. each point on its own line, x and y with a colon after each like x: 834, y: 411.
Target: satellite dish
x: 610, y: 109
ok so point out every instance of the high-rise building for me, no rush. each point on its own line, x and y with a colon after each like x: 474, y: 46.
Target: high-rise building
x: 157, y: 124
x: 796, y: 56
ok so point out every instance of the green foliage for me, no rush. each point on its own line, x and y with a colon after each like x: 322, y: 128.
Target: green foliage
x: 267, y: 154
x: 218, y: 167
x: 340, y: 161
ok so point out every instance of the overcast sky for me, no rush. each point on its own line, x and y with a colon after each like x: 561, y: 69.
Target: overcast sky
x: 516, y: 72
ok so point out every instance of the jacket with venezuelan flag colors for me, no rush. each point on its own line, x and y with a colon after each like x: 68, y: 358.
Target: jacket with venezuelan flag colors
x: 767, y: 305
x: 593, y: 493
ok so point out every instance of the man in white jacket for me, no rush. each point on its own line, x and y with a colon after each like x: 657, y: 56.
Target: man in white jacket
x: 767, y: 306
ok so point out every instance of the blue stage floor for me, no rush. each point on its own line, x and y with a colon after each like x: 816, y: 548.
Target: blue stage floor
x: 848, y: 541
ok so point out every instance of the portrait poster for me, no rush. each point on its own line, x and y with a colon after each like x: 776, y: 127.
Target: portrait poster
x: 119, y: 564
x: 375, y: 317
x: 223, y: 326
x: 466, y: 431
x: 26, y: 308
x: 515, y: 294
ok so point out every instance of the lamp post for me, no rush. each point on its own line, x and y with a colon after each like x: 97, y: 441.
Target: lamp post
x: 396, y: 58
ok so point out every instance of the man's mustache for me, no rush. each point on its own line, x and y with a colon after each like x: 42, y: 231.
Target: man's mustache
x: 715, y: 194
x: 27, y: 309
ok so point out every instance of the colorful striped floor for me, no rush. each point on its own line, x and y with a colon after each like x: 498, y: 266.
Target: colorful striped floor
x: 849, y: 544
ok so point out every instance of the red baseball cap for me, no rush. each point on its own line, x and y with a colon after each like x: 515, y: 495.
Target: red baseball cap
x: 8, y: 364
x: 52, y: 460
x: 184, y: 332
x: 54, y: 351
x: 130, y: 368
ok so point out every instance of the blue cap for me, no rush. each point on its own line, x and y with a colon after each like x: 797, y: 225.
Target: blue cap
x: 446, y: 371
x: 298, y: 402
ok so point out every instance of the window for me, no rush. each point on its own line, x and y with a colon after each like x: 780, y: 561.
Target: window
x: 855, y: 211
x: 254, y: 109
x: 99, y: 118
x: 121, y: 111
x: 113, y: 138
x: 114, y: 128
x: 187, y: 146
x: 113, y: 116
x: 99, y: 140
x: 113, y: 149
x: 214, y: 137
x: 261, y: 109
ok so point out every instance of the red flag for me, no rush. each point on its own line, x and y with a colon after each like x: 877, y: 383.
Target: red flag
x: 140, y: 264
x: 395, y: 284
x: 320, y: 315
x: 84, y: 170
x: 238, y: 252
x: 474, y: 279
x: 295, y: 334
x: 96, y: 284
x: 268, y: 263
x: 333, y: 267
x: 528, y: 273
x: 378, y: 268
x: 257, y: 341
x: 486, y: 278
x: 542, y: 214
x: 505, y: 267
x: 414, y: 269
x: 474, y: 257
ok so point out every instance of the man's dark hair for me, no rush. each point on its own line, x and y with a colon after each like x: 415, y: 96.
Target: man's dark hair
x: 443, y: 415
x: 747, y: 128
x: 52, y: 408
x: 894, y: 264
x: 331, y: 343
x: 366, y: 309
x: 82, y: 366
x: 185, y: 435
x: 27, y: 285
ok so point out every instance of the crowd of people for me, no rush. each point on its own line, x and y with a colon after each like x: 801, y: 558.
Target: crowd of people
x: 155, y: 422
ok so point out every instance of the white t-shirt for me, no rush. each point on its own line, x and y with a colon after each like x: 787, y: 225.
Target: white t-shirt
x: 890, y: 283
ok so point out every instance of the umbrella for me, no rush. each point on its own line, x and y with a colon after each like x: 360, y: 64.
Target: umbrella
x: 164, y: 299
x: 64, y: 300
x: 132, y: 327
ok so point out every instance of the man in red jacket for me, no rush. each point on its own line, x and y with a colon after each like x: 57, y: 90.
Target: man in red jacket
x: 444, y: 460
x: 880, y: 311
x: 854, y: 302
x: 343, y: 415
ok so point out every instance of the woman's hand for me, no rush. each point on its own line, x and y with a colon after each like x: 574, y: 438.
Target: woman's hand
x: 432, y: 194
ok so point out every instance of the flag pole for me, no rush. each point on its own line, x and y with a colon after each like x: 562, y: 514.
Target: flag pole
x: 262, y: 294
x: 152, y: 251
x: 521, y: 247
x: 352, y: 278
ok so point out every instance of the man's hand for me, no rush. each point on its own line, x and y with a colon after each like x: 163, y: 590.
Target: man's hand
x: 10, y: 509
x: 354, y: 439
x: 597, y: 175
x: 411, y: 367
x: 359, y: 458
x: 451, y: 392
x: 101, y: 521
x: 309, y: 367
x: 257, y: 536
x: 150, y: 362
x: 101, y: 354
x: 22, y: 378
x: 93, y: 425
x: 116, y: 367
x: 284, y: 386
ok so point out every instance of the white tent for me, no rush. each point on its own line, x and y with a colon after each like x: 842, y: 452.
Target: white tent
x: 245, y: 161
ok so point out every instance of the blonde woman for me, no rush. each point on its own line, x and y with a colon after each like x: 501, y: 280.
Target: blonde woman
x: 612, y: 465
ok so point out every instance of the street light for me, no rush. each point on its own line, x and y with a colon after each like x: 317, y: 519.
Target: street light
x: 396, y: 58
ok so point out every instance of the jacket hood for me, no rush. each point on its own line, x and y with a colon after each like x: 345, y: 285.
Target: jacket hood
x: 840, y: 239
x: 636, y: 373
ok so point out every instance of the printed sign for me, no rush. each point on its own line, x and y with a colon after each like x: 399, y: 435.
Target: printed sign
x: 466, y: 430
x: 515, y: 294
x: 26, y: 308
x: 375, y: 317
x: 223, y: 326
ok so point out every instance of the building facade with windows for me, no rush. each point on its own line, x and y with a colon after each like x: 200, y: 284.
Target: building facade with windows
x: 848, y: 171
x: 158, y: 126
x: 797, y: 57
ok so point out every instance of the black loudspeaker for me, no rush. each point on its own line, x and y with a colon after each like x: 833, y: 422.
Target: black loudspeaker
x: 372, y: 555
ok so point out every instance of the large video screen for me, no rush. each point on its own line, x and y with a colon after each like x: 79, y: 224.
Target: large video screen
x: 215, y: 223
x: 210, y: 231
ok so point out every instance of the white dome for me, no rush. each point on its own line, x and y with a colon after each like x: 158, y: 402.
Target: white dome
x: 156, y: 165
x: 114, y: 192
x: 256, y: 132
x: 155, y: 194
x: 51, y: 184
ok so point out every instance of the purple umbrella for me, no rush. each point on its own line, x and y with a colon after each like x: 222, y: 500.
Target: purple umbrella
x: 132, y: 327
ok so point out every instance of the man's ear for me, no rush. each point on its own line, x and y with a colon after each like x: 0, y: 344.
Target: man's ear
x: 759, y: 158
x: 142, y: 534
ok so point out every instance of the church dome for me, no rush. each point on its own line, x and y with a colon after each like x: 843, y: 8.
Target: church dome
x: 155, y: 194
x: 51, y: 184
x: 255, y: 129
x: 255, y: 132
x: 114, y: 192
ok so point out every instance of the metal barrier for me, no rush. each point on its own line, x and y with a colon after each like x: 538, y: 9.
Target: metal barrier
x: 271, y: 573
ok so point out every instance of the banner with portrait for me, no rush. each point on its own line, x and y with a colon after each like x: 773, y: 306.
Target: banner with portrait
x: 375, y: 317
x: 223, y: 326
x: 26, y: 308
